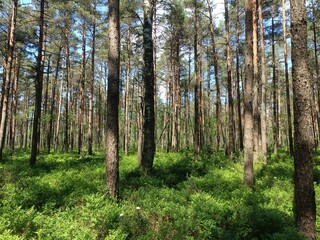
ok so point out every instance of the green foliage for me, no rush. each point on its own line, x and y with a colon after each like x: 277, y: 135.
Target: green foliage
x: 64, y: 197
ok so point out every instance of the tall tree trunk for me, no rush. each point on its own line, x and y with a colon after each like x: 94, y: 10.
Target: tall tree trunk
x: 201, y: 100
x: 7, y: 76
x: 126, y: 134
x: 166, y: 118
x: 284, y: 24
x: 82, y: 89
x: 207, y: 103
x: 26, y: 109
x: 248, y: 111
x: 263, y: 88
x: 140, y: 111
x: 56, y: 135
x: 46, y: 98
x: 216, y: 76
x: 196, y: 86
x: 173, y: 98
x: 148, y: 149
x: 304, y: 195
x: 67, y: 56
x: 170, y: 132
x: 112, y: 126
x: 231, y: 144
x: 238, y: 77
x: 256, y: 107
x: 93, y: 47
x: 177, y: 97
x: 155, y: 69
x: 52, y: 104
x: 38, y: 87
x: 100, y: 111
x: 72, y: 111
x: 279, y: 110
x: 187, y: 103
x: 15, y: 98
x: 274, y: 83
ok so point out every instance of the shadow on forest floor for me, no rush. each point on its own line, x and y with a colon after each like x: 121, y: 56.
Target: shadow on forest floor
x: 181, y: 199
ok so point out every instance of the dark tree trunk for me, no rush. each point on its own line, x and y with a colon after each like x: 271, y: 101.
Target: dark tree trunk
x: 38, y: 86
x: 196, y: 86
x: 112, y: 126
x: 155, y: 69
x: 148, y: 149
x: 304, y: 195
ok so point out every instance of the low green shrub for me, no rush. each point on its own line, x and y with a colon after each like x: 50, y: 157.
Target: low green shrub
x: 64, y: 197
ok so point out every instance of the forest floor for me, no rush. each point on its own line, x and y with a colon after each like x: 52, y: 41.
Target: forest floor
x: 64, y: 197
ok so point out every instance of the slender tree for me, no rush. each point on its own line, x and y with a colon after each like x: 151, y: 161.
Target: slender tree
x: 274, y: 84
x: 231, y: 143
x: 256, y: 106
x: 304, y: 195
x: 7, y: 77
x: 93, y: 52
x: 248, y: 111
x: 196, y: 86
x: 128, y: 69
x: 67, y: 77
x: 82, y: 87
x: 38, y: 86
x: 289, y: 119
x: 112, y: 126
x: 216, y: 75
x: 66, y: 31
x: 14, y: 102
x: 155, y: 69
x: 53, y: 100
x: 263, y: 87
x: 56, y: 134
x: 238, y: 77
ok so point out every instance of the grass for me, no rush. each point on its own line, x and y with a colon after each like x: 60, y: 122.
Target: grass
x: 64, y: 197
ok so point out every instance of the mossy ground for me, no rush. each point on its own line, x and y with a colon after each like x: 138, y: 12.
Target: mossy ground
x: 64, y: 197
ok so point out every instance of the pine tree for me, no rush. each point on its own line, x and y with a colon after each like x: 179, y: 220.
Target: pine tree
x: 304, y: 195
x: 112, y: 125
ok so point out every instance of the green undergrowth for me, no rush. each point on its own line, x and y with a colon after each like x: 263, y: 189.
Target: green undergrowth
x: 64, y: 197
